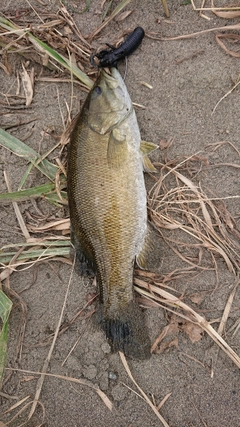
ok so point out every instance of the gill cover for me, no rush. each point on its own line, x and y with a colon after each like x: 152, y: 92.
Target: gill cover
x: 109, y: 103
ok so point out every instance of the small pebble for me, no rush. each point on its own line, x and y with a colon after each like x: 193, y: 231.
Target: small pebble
x: 112, y: 376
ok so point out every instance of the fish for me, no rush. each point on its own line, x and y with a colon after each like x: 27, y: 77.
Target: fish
x: 108, y: 207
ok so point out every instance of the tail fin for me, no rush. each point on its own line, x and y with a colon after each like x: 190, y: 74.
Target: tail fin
x: 127, y: 332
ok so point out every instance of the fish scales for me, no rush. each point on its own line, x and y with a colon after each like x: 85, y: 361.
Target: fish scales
x: 107, y: 203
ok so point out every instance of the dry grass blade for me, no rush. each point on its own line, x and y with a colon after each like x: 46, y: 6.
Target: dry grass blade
x: 199, y: 33
x: 234, y: 37
x: 125, y: 364
x: 28, y: 257
x: 216, y: 242
x: 216, y: 145
x: 227, y: 15
x: 227, y: 309
x: 165, y: 6
x: 27, y: 86
x: 83, y: 382
x: 16, y: 405
x: 45, y: 50
x: 226, y: 12
x: 213, y: 8
x: 163, y: 297
x: 113, y: 14
x: 21, y: 411
x: 160, y: 405
x: 68, y: 18
x: 226, y: 94
x: 188, y: 209
x: 46, y: 363
x: 17, y: 212
x: 58, y: 225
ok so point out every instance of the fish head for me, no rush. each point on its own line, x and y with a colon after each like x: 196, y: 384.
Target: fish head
x: 109, y: 103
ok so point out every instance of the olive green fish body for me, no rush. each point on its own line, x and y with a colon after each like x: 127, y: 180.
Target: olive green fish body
x: 107, y: 202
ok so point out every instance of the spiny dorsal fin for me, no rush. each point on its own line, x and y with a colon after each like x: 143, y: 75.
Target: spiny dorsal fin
x: 146, y: 147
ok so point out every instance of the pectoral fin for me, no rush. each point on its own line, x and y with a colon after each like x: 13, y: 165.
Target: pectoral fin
x: 146, y: 148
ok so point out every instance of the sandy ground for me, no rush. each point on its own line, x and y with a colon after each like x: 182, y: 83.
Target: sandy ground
x: 188, y: 78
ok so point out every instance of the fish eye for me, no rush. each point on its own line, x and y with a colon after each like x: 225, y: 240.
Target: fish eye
x: 98, y: 90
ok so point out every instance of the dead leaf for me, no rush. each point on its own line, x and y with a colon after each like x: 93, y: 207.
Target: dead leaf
x: 163, y: 144
x: 198, y: 297
x: 61, y: 224
x: 234, y: 37
x: 194, y: 332
x: 169, y: 330
x: 27, y: 86
x: 31, y: 75
x: 165, y: 345
x: 7, y: 70
x: 67, y: 30
x: 227, y: 15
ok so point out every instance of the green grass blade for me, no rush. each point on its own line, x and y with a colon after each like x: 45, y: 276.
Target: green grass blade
x: 54, y: 199
x: 61, y: 60
x: 43, y: 47
x: 107, y: 9
x: 35, y: 254
x: 44, y: 243
x: 22, y: 150
x: 88, y: 3
x: 25, y: 177
x: 5, y: 308
x: 8, y: 25
x: 34, y: 192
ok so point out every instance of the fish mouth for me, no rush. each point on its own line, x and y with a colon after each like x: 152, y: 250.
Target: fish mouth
x: 112, y: 81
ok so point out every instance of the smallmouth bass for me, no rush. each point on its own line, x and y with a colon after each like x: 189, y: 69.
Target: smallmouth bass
x: 107, y: 203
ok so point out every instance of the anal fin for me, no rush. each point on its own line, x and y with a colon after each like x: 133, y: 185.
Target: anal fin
x: 147, y: 165
x: 149, y: 256
x: 146, y: 148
